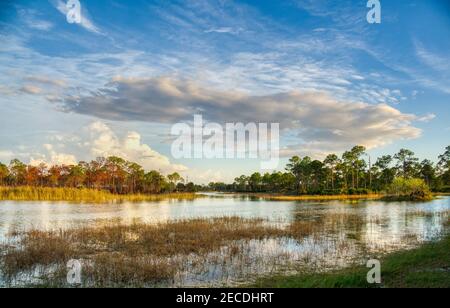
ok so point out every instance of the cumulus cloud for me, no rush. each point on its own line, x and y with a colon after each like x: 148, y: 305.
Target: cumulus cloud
x: 98, y: 140
x: 104, y: 142
x: 52, y: 157
x: 320, y: 121
x: 208, y: 176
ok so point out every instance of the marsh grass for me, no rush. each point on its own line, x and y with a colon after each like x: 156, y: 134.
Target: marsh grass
x: 138, y: 254
x: 330, y: 223
x: 115, y: 254
x: 319, y: 197
x: 133, y: 255
x: 81, y: 195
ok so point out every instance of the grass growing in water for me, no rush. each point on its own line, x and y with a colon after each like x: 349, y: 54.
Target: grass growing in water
x: 81, y: 195
x: 424, y: 267
x: 318, y: 197
x: 127, y: 255
x: 139, y: 254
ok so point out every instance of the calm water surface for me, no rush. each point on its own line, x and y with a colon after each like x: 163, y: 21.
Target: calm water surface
x: 403, y: 217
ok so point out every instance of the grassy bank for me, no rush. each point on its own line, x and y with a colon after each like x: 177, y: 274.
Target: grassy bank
x: 81, y: 195
x: 424, y: 267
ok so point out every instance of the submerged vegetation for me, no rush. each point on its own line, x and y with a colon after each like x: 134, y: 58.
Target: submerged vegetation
x: 140, y: 254
x: 129, y: 255
x: 83, y: 195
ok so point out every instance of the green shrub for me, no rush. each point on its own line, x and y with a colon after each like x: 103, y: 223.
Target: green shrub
x: 409, y: 189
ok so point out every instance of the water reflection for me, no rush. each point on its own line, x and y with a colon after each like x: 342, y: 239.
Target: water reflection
x: 398, y: 218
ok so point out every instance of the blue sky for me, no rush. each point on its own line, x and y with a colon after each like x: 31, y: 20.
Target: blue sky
x: 118, y: 81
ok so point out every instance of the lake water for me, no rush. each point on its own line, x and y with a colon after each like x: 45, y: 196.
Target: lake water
x: 383, y: 227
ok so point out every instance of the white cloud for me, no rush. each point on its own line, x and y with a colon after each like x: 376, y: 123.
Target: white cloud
x: 435, y: 61
x: 104, y: 142
x: 52, y: 157
x: 32, y: 19
x: 427, y: 118
x: 228, y: 30
x: 207, y: 176
x: 99, y: 140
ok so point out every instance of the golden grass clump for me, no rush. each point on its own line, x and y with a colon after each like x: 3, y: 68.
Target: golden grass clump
x: 81, y: 195
x: 172, y: 238
x: 320, y: 197
x: 43, y: 248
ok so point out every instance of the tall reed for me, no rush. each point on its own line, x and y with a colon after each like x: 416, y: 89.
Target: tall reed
x: 81, y: 195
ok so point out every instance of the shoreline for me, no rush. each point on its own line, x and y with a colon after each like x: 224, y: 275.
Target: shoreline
x: 85, y: 195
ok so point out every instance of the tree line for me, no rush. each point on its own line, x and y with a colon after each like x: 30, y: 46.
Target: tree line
x: 113, y: 174
x: 352, y: 173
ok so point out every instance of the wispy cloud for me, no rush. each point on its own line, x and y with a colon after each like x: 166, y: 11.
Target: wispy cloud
x: 86, y: 21
x: 46, y: 80
x: 437, y: 62
x: 427, y: 118
x: 438, y: 65
x: 229, y: 30
x: 34, y: 20
x: 29, y: 89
